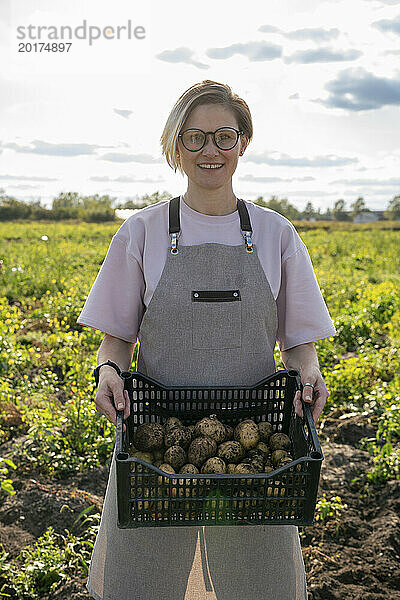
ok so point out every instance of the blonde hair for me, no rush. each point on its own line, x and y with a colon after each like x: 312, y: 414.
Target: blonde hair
x: 205, y: 92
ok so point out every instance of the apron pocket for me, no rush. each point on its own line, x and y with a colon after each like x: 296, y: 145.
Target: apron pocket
x: 216, y: 319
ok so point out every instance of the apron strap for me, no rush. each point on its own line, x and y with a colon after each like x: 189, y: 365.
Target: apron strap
x: 175, y: 225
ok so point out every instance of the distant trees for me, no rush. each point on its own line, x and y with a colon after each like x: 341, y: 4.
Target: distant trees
x: 281, y: 206
x: 358, y: 207
x: 338, y: 212
x: 145, y: 200
x: 309, y: 212
x: 67, y: 205
x: 393, y: 210
x: 72, y: 205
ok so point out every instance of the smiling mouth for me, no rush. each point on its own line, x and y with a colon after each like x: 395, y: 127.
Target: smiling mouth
x: 211, y: 167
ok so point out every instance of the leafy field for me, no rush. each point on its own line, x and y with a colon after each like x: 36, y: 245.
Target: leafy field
x: 55, y: 447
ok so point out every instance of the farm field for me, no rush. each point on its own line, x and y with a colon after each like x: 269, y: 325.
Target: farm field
x: 55, y: 448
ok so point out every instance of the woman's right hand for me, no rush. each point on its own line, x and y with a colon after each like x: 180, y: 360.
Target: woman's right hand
x: 110, y: 394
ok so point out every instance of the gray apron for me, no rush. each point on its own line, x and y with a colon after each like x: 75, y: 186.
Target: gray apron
x: 212, y: 320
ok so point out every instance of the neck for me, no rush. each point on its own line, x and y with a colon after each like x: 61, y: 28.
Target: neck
x: 211, y: 202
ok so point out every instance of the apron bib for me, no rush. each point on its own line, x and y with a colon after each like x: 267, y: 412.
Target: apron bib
x: 212, y: 320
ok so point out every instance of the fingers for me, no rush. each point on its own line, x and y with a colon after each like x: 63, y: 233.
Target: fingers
x: 297, y: 404
x: 315, y: 398
x: 110, y: 397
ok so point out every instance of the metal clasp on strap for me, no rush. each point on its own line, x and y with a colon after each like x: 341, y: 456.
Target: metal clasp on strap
x: 247, y: 238
x: 174, y: 242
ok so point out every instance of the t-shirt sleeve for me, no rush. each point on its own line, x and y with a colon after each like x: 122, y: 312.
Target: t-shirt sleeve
x: 302, y: 313
x: 115, y: 302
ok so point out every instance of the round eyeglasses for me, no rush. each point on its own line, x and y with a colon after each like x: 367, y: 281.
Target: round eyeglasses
x: 225, y: 138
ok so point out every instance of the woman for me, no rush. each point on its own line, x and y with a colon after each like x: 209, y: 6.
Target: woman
x: 265, y: 291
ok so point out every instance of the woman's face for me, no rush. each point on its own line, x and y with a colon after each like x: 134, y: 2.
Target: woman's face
x: 209, y: 117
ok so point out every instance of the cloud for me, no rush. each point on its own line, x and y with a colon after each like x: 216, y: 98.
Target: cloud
x: 269, y: 29
x: 329, y: 160
x: 295, y: 96
x: 355, y: 89
x: 317, y: 34
x: 322, y: 55
x: 385, y: 25
x: 256, y: 179
x: 255, y: 51
x: 123, y: 113
x: 48, y: 149
x: 26, y: 178
x: 140, y: 158
x: 392, y: 182
x: 180, y: 55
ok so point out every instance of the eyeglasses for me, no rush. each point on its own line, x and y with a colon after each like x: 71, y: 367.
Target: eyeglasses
x: 225, y: 138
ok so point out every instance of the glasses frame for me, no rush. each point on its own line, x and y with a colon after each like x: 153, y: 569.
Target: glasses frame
x: 206, y: 133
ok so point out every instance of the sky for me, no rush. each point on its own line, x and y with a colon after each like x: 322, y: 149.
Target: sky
x: 321, y: 78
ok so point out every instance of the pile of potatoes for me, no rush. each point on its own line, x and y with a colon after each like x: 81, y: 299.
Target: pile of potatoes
x: 209, y: 446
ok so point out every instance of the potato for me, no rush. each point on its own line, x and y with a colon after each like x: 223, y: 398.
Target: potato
x: 177, y: 436
x: 167, y: 468
x: 277, y: 455
x: 172, y: 422
x: 247, y: 434
x: 162, y: 480
x: 200, y: 449
x: 255, y: 453
x: 279, y: 441
x: 268, y: 469
x: 189, y: 468
x: 256, y: 459
x: 264, y: 449
x: 265, y: 429
x: 244, y: 468
x: 212, y: 428
x: 231, y: 451
x: 146, y: 456
x: 149, y: 436
x: 214, y: 465
x: 284, y: 461
x: 175, y: 456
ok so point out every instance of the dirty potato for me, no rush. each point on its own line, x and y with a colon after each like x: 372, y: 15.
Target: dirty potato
x: 246, y: 432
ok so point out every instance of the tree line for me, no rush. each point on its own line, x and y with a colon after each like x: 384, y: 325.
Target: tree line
x: 71, y: 205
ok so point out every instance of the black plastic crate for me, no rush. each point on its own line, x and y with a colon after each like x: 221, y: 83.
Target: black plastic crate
x: 149, y: 497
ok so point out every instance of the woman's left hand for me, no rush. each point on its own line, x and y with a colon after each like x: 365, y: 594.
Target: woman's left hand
x: 315, y: 397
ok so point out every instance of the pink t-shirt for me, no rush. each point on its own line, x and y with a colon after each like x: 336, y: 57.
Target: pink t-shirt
x: 137, y: 253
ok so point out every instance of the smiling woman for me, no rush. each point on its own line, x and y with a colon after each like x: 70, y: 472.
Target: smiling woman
x: 208, y: 283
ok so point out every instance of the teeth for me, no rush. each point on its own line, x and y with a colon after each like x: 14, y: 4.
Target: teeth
x: 210, y: 166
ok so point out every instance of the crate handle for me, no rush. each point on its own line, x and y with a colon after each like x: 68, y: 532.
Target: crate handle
x: 307, y: 416
x: 122, y: 438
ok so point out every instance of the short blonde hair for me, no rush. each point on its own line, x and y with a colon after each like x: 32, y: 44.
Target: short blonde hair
x: 205, y: 92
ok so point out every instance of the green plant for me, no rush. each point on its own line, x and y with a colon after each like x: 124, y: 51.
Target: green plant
x: 329, y: 509
x: 6, y: 485
x: 386, y: 460
x: 40, y: 568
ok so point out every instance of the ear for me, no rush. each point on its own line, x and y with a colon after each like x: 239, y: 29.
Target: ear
x: 244, y: 141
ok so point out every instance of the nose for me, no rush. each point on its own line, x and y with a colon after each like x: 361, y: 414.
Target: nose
x: 209, y: 146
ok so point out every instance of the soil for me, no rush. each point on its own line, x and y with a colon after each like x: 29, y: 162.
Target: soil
x: 356, y: 557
